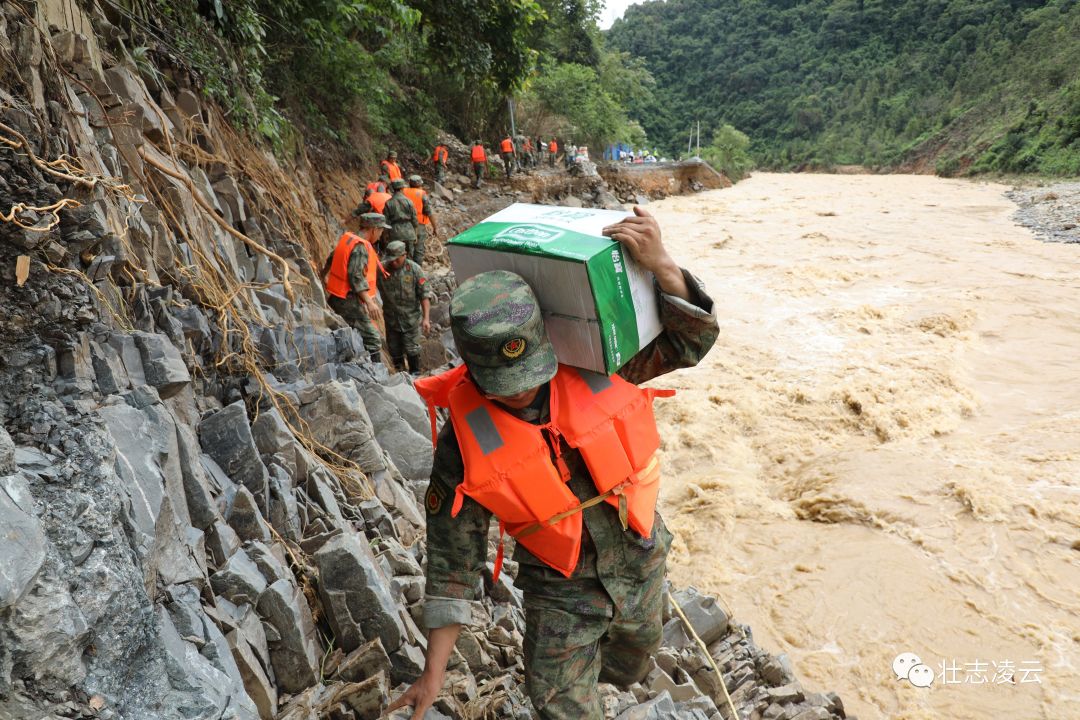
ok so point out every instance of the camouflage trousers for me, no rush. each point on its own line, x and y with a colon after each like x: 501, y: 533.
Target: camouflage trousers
x: 402, y: 342
x: 352, y: 312
x: 416, y: 252
x: 567, y: 653
x: 478, y: 173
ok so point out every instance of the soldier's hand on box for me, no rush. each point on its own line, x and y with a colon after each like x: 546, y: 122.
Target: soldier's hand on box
x: 640, y: 234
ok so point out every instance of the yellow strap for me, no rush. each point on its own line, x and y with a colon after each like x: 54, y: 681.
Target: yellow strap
x: 536, y: 527
x: 624, y: 515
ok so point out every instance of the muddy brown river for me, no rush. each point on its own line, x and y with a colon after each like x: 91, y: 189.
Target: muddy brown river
x: 881, y: 455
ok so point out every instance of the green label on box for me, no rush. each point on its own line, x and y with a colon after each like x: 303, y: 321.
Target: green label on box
x: 611, y: 292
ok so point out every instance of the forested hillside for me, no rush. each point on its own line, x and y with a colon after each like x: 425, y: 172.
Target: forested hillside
x: 362, y: 75
x: 951, y: 85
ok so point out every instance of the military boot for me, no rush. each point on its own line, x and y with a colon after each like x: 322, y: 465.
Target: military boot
x: 414, y: 365
x: 399, y: 363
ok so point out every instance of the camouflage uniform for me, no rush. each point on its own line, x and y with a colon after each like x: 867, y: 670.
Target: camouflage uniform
x: 604, y: 621
x: 349, y: 308
x: 401, y: 214
x: 401, y: 292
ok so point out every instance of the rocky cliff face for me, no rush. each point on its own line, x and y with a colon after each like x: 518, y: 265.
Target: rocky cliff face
x: 208, y: 494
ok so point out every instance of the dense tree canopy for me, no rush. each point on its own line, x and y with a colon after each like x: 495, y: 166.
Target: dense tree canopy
x: 986, y: 84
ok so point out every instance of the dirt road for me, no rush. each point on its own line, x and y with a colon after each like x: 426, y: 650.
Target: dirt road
x: 882, y: 454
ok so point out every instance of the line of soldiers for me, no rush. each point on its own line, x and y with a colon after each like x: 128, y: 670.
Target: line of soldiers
x: 518, y: 152
x: 365, y: 264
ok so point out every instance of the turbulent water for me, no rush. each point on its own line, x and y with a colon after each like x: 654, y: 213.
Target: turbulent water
x: 882, y: 453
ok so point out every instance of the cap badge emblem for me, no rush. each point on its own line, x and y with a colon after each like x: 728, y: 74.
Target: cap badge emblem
x: 513, y: 348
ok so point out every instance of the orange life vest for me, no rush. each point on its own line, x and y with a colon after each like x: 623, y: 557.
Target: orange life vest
x: 528, y: 145
x: 509, y: 468
x: 377, y: 200
x: 478, y: 154
x: 440, y: 155
x: 337, y: 281
x: 507, y: 146
x: 553, y: 147
x: 392, y: 170
x: 417, y: 197
x: 377, y: 186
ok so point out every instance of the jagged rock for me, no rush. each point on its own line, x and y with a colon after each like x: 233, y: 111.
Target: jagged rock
x: 211, y: 692
x: 197, y: 492
x: 245, y: 517
x: 24, y: 542
x: 786, y: 694
x: 162, y: 364
x: 239, y: 580
x: 129, y: 357
x: 7, y: 453
x: 660, y: 707
x: 337, y: 418
x: 410, y: 450
x: 707, y: 618
x: 108, y: 369
x: 365, y: 661
x: 270, y: 565
x: 356, y: 595
x: 407, y: 662
x: 256, y: 683
x: 284, y: 510
x: 294, y: 651
x: 221, y: 542
x: 367, y: 698
x: 226, y: 437
x: 147, y: 463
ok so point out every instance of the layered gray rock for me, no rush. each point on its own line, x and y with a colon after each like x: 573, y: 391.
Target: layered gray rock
x: 162, y: 365
x: 24, y: 542
x: 294, y: 650
x: 226, y: 437
x: 356, y: 595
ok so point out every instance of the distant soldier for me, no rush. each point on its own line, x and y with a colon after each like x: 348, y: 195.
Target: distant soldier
x: 349, y: 275
x: 406, y: 306
x: 438, y: 159
x: 374, y: 200
x: 401, y: 214
x: 389, y: 170
x: 553, y: 150
x: 527, y: 153
x: 479, y: 162
x: 424, y: 215
x: 506, y: 149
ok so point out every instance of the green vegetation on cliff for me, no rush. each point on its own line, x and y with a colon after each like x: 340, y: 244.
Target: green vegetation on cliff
x: 361, y: 74
x: 985, y: 85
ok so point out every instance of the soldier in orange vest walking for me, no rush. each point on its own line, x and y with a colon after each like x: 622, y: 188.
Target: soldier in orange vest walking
x: 424, y: 216
x: 553, y: 150
x: 350, y: 274
x: 478, y: 157
x: 506, y: 149
x: 566, y: 460
x: 439, y: 159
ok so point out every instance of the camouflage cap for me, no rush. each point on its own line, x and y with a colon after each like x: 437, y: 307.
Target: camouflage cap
x: 392, y: 154
x: 374, y: 220
x: 394, y: 250
x: 398, y: 184
x: 416, y: 180
x: 499, y: 331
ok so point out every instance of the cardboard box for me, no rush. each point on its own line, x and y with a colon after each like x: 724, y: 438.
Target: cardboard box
x: 599, y: 307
